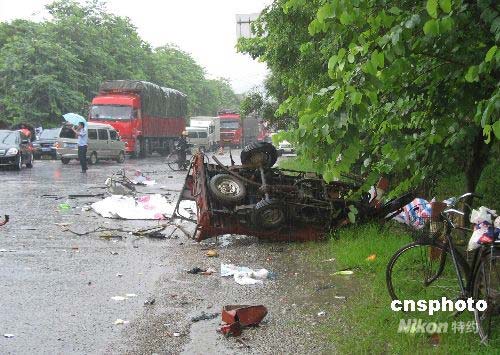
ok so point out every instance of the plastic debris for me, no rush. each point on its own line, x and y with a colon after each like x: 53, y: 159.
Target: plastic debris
x: 118, y: 298
x: 130, y: 295
x: 212, y: 253
x: 371, y: 257
x: 176, y: 334
x: 343, y: 272
x: 149, y: 302
x: 119, y: 275
x: 9, y: 336
x: 244, y: 275
x: 204, y: 316
x: 322, y: 314
x: 64, y: 206
x: 121, y: 321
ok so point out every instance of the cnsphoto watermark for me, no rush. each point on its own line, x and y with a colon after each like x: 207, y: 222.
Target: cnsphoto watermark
x: 442, y: 305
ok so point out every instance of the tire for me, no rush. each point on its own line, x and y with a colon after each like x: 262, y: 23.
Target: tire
x: 259, y: 154
x: 424, y: 270
x: 269, y: 214
x: 486, y: 286
x: 227, y: 189
x: 19, y: 163
x: 65, y: 160
x: 139, y: 148
x: 172, y: 161
x: 121, y: 157
x: 93, y: 158
x: 29, y: 164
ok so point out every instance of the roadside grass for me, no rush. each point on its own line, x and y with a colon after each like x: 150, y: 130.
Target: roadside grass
x: 366, y: 323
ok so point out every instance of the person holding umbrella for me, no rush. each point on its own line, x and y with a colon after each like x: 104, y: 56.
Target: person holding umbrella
x: 81, y: 132
x: 83, y: 139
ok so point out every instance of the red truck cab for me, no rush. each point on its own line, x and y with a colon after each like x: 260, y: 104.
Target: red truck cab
x: 231, y: 131
x: 123, y: 112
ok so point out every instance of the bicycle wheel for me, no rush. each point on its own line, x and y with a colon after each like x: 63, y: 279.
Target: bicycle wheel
x: 486, y: 287
x: 173, y: 161
x: 424, y: 270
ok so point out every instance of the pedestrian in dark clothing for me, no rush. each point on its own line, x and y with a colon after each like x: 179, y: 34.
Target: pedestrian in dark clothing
x: 81, y: 133
x: 182, y: 147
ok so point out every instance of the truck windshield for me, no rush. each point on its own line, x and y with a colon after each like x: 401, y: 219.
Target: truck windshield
x: 229, y: 124
x: 50, y: 133
x: 111, y: 112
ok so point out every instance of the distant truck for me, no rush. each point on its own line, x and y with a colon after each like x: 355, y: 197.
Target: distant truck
x: 231, y: 129
x: 148, y: 117
x: 204, y: 132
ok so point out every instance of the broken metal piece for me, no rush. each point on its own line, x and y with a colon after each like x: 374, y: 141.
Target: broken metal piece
x: 236, y: 317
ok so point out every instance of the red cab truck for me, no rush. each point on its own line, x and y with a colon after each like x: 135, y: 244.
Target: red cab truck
x: 148, y: 117
x: 231, y: 130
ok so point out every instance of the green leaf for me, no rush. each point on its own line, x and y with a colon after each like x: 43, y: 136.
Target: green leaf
x: 332, y: 61
x: 496, y: 129
x: 341, y: 53
x: 472, y: 74
x: 356, y: 97
x: 350, y: 58
x: 325, y: 11
x: 325, y: 129
x: 446, y: 24
x: 345, y: 18
x: 490, y: 54
x: 431, y: 28
x: 432, y: 8
x: 445, y: 5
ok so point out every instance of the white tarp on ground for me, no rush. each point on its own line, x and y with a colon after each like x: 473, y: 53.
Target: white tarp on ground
x: 144, y: 207
x: 244, y: 275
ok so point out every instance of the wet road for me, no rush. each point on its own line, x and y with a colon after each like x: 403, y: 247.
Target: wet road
x: 56, y: 288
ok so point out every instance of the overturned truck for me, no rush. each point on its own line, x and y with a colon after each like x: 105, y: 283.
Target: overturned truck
x: 275, y: 204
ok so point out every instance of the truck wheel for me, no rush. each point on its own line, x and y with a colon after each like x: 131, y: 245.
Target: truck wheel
x: 259, y: 154
x: 65, y: 160
x: 121, y: 158
x: 93, y: 158
x: 227, y: 189
x: 269, y: 214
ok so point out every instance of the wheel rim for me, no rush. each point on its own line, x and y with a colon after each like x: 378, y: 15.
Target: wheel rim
x: 228, y: 187
x: 272, y: 216
x: 487, y: 288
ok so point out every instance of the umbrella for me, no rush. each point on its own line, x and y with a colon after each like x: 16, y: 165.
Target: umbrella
x: 74, y: 118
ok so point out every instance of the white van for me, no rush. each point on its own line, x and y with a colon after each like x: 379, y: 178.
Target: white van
x: 198, y: 126
x: 104, y: 143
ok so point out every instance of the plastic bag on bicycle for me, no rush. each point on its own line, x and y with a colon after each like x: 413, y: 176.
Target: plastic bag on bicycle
x: 485, y: 230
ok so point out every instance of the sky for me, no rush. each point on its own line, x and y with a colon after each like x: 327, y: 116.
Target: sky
x: 204, y: 28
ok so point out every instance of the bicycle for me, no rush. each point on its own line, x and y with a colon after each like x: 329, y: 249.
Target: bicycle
x: 433, y: 267
x: 177, y: 160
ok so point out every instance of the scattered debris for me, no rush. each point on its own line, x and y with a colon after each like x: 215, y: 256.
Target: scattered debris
x: 126, y: 207
x: 325, y: 287
x: 121, y: 321
x: 212, y: 253
x: 343, y: 272
x: 114, y: 252
x: 244, y: 275
x: 243, y: 343
x: 277, y: 249
x: 63, y: 224
x: 118, y: 298
x: 236, y: 317
x: 85, y: 195
x: 371, y: 257
x: 149, y: 302
x: 130, y: 295
x: 176, y: 334
x: 329, y: 260
x: 119, y: 275
x: 9, y: 336
x: 321, y: 314
x: 64, y: 206
x: 204, y: 316
x: 196, y: 270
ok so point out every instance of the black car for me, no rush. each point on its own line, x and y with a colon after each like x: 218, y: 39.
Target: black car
x: 43, y: 147
x: 15, y: 149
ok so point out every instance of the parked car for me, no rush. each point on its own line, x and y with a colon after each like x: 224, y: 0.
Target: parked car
x: 44, y: 146
x: 285, y: 147
x: 104, y: 143
x: 15, y: 149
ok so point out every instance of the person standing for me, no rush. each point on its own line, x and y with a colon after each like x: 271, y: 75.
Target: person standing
x: 81, y: 132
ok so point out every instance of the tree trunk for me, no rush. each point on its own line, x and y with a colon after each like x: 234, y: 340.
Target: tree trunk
x: 478, y: 159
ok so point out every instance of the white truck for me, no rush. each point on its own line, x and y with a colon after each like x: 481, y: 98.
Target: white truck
x: 204, y: 132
